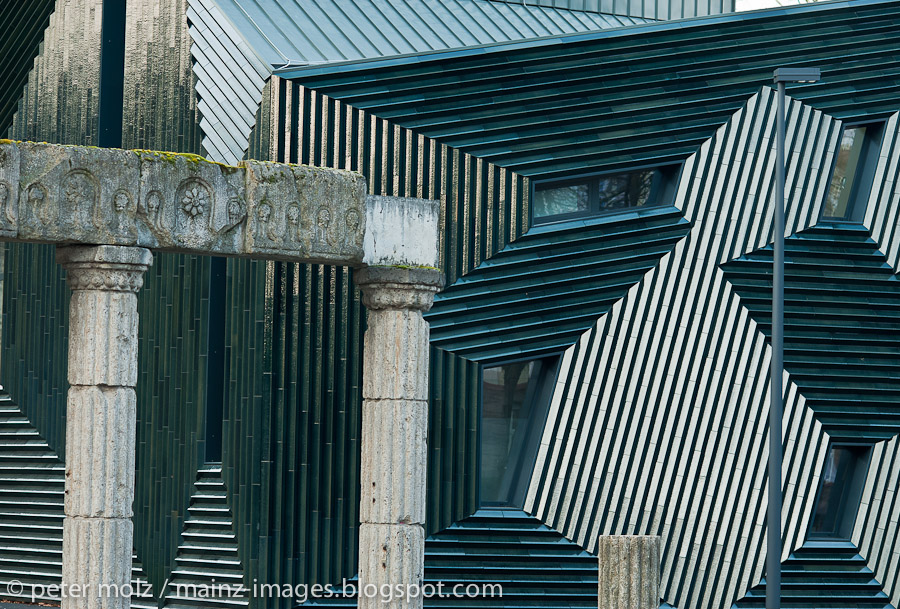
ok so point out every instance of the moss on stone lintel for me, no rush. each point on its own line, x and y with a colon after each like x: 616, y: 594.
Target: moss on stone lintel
x: 404, y: 266
x: 192, y: 160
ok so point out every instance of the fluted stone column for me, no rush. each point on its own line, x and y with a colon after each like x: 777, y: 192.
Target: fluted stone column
x: 629, y: 571
x: 100, y: 423
x: 394, y: 427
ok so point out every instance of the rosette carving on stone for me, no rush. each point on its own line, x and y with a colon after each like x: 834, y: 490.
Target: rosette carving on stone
x: 176, y: 202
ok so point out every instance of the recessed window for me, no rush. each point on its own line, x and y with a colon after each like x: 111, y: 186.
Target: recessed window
x: 562, y: 200
x: 853, y: 172
x: 840, y: 491
x: 514, y: 406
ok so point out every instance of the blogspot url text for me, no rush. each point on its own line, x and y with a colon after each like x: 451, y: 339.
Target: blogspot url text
x: 216, y: 590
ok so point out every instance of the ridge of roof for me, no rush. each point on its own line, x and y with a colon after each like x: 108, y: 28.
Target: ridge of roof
x: 305, y: 32
x: 656, y: 9
x: 611, y: 101
x: 310, y: 70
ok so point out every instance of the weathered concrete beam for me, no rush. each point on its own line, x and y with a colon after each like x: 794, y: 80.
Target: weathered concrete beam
x: 180, y: 203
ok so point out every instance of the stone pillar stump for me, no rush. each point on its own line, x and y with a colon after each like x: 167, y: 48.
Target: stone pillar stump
x: 100, y: 424
x: 394, y: 428
x: 629, y: 572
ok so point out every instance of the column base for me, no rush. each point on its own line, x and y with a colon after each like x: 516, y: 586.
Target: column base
x: 629, y: 571
x: 391, y: 566
x: 94, y: 575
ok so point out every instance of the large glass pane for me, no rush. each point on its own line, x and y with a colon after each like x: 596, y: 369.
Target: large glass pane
x: 508, y: 404
x: 625, y: 190
x: 837, y: 203
x: 570, y: 199
x: 839, y: 492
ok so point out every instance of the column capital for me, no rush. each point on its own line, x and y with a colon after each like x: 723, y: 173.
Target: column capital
x: 395, y: 287
x: 108, y: 268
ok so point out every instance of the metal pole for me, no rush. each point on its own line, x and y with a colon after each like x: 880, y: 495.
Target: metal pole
x: 773, y: 558
x: 112, y: 74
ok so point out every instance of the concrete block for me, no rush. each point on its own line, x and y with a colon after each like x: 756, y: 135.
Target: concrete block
x: 402, y: 232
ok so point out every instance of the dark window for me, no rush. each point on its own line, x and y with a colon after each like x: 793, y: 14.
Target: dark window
x: 840, y: 491
x: 561, y: 200
x: 853, y: 172
x: 514, y: 406
x: 570, y: 199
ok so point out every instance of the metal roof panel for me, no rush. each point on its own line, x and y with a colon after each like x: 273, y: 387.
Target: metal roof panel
x: 299, y: 32
x: 647, y: 94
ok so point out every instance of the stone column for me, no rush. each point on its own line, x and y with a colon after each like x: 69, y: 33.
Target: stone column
x: 394, y: 426
x: 629, y: 572
x: 100, y: 422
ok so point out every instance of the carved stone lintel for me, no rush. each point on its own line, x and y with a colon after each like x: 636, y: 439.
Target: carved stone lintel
x: 183, y: 203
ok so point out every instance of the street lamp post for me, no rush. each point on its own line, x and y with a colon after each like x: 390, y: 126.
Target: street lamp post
x: 776, y: 408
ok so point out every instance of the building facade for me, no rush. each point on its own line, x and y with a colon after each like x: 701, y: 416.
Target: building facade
x: 599, y: 360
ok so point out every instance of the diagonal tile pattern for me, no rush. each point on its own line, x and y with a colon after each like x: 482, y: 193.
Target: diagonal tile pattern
x: 540, y: 293
x: 658, y: 421
x: 535, y: 565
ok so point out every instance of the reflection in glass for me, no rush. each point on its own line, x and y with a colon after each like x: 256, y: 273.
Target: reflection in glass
x: 625, y: 190
x: 839, y: 491
x: 507, y: 406
x: 837, y: 204
x: 598, y: 194
x: 561, y: 200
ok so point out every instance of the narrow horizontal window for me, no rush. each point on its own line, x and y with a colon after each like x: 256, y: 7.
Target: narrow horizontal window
x: 595, y: 195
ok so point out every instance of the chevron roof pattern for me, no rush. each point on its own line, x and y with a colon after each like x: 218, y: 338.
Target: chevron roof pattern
x: 664, y: 401
x: 820, y: 573
x: 619, y: 98
x: 658, y: 421
x: 238, y: 43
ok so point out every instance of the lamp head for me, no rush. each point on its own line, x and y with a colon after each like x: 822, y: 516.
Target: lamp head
x: 797, y: 75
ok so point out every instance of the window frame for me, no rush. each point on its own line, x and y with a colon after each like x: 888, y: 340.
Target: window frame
x: 863, y: 177
x: 846, y: 518
x: 540, y: 394
x: 662, y: 194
